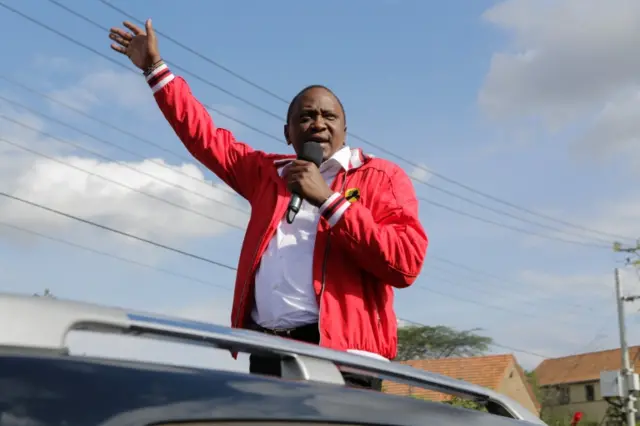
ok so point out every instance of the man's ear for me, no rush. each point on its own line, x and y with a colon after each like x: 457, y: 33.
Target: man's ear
x: 286, y: 134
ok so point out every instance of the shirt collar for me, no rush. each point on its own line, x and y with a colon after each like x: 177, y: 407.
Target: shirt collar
x: 340, y: 158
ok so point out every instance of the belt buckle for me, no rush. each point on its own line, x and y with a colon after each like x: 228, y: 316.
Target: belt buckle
x: 282, y: 332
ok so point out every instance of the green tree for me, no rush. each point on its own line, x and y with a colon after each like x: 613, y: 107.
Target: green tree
x: 533, y: 382
x: 422, y: 342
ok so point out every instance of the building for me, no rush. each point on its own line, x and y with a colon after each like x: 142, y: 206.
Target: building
x: 572, y: 383
x: 500, y: 373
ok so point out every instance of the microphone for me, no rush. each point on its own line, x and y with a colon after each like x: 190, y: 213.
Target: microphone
x: 312, y: 152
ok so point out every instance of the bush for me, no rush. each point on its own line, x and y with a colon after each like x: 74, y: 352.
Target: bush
x: 465, y: 403
x: 458, y: 402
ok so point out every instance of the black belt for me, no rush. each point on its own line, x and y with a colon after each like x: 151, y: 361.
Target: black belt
x: 306, y: 333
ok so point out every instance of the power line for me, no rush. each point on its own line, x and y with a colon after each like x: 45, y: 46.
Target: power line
x: 500, y: 292
x: 114, y: 182
x: 162, y: 246
x: 511, y: 348
x: 476, y: 302
x: 116, y: 231
x: 121, y: 148
x: 496, y: 307
x: 113, y: 127
x: 507, y: 214
x: 360, y: 138
x: 511, y: 283
x: 112, y: 256
x: 249, y: 126
x: 188, y: 159
x: 497, y: 345
x: 194, y: 52
x: 514, y: 228
x: 176, y: 66
x: 91, y: 49
x: 579, y: 360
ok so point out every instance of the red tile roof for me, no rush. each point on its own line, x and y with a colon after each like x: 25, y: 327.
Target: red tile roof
x: 581, y: 368
x: 487, y: 371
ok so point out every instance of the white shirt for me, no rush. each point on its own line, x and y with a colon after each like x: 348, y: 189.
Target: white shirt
x: 284, y: 293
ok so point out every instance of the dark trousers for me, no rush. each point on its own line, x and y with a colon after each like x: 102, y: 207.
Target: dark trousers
x: 270, y: 365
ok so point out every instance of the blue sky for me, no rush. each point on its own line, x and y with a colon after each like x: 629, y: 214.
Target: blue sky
x: 521, y: 100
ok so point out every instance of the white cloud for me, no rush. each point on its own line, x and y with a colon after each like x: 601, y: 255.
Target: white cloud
x: 56, y: 63
x: 547, y: 284
x: 619, y: 217
x: 615, y: 132
x: 194, y: 208
x: 83, y: 186
x: 104, y: 86
x: 73, y: 191
x: 421, y: 173
x: 572, y: 65
x: 616, y: 218
x: 565, y: 57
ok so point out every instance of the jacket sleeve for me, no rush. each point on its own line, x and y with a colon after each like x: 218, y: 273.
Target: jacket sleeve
x: 387, y: 241
x: 233, y: 162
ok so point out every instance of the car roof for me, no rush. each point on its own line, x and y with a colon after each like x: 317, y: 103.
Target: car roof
x: 53, y: 389
x: 43, y: 323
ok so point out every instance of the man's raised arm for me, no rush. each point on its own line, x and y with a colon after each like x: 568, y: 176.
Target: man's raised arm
x: 234, y: 162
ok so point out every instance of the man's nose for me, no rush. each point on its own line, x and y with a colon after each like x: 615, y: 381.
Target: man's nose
x: 319, y: 124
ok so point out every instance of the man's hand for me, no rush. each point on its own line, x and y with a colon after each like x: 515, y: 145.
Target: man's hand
x: 305, y: 179
x: 141, y: 47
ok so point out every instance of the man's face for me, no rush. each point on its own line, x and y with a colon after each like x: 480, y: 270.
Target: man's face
x: 316, y: 116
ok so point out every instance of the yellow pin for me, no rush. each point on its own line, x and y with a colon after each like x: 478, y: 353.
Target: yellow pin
x: 352, y: 194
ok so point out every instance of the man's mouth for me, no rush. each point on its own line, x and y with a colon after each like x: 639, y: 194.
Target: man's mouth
x: 318, y: 140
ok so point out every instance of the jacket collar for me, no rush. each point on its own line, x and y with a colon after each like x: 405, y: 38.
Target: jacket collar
x: 348, y: 158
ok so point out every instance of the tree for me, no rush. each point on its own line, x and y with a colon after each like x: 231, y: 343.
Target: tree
x: 420, y: 342
x: 532, y: 379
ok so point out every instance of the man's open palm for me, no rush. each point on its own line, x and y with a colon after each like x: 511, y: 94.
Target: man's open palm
x: 139, y: 45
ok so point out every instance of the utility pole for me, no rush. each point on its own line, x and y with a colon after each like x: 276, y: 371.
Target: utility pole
x: 627, y: 371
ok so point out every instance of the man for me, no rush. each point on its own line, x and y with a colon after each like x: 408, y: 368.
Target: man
x: 328, y: 277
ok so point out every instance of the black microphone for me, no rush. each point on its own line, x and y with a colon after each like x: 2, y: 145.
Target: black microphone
x: 312, y: 152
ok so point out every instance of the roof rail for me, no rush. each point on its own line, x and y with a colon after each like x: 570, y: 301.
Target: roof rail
x: 43, y: 323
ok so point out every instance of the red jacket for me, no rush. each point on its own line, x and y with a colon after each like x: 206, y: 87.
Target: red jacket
x: 377, y: 244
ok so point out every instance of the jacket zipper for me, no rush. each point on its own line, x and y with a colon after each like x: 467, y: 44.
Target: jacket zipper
x: 324, y: 265
x: 243, y: 297
x: 245, y: 286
